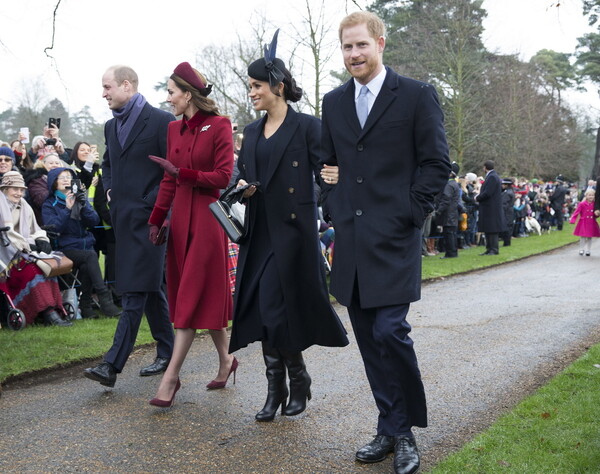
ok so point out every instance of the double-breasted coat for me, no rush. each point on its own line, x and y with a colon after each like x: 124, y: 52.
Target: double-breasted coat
x: 133, y: 180
x: 587, y: 225
x: 491, y: 213
x: 290, y: 212
x: 390, y: 172
x: 197, y: 257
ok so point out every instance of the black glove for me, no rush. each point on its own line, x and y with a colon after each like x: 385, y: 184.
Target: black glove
x: 43, y: 246
x: 81, y: 198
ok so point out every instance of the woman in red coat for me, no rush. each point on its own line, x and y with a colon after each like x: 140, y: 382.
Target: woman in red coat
x: 198, y: 165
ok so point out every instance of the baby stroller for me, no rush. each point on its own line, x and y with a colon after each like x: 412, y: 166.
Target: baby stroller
x: 10, y: 316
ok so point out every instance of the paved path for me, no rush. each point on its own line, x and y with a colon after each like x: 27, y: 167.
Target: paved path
x: 483, y: 340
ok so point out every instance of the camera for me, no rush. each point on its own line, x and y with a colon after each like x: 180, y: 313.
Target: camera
x: 76, y: 186
x: 51, y: 141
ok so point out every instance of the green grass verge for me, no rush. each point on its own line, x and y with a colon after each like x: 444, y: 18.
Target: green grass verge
x: 469, y: 259
x: 38, y: 347
x: 556, y: 430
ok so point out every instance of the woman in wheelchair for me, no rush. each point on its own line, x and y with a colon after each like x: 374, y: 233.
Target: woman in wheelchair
x: 33, y: 293
x: 67, y: 212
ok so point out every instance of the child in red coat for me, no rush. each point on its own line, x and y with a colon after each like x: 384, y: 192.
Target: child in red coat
x: 586, y: 227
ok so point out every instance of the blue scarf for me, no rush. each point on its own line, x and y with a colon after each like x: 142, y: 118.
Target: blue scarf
x: 127, y: 116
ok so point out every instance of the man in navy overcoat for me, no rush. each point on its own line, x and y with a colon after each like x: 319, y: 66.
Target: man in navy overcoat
x: 131, y: 181
x: 491, y: 216
x: 390, y: 170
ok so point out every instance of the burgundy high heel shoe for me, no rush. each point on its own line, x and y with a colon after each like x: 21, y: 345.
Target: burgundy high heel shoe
x: 214, y: 384
x: 157, y: 402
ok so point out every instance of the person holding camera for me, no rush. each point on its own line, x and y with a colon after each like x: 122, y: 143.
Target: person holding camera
x: 49, y: 142
x: 67, y: 212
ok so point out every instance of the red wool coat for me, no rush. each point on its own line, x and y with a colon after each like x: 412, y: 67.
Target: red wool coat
x: 197, y: 270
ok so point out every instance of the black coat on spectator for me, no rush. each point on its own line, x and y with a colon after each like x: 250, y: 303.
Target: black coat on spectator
x: 448, y: 205
x: 508, y: 202
x: 491, y: 216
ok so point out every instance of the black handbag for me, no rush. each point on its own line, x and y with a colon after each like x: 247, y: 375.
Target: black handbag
x: 231, y: 213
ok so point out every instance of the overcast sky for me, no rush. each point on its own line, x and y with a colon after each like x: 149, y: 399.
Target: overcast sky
x: 154, y: 36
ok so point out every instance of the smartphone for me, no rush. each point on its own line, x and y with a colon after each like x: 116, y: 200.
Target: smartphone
x: 54, y: 121
x: 93, y: 148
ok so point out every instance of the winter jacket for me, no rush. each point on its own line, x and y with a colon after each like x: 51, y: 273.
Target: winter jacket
x: 74, y: 234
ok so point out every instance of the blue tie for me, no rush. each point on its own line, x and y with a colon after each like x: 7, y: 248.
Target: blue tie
x: 362, y: 106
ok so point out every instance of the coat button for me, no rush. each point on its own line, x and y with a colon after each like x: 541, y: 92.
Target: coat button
x: 360, y: 147
x: 359, y: 179
x: 295, y: 164
x: 291, y: 190
x: 358, y: 212
x: 292, y: 215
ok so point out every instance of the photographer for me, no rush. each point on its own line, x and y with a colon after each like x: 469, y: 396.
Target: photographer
x: 68, y: 212
x: 49, y: 142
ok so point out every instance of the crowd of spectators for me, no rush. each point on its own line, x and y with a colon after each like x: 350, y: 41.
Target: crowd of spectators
x: 75, y: 221
x: 529, y: 206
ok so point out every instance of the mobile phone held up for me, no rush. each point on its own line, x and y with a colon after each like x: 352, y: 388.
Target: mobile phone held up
x: 54, y: 121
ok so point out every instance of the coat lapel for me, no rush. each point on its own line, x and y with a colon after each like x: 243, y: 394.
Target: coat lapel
x: 348, y: 107
x: 281, y: 140
x: 140, y: 124
x: 384, y: 99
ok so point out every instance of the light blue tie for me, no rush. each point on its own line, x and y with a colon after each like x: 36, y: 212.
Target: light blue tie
x: 362, y: 106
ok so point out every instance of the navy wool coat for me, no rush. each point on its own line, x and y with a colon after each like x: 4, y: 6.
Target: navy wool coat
x: 491, y: 213
x: 390, y: 172
x: 291, y: 214
x: 133, y: 180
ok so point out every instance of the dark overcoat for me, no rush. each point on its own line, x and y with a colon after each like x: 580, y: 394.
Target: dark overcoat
x: 447, y: 205
x: 291, y: 215
x: 491, y: 214
x: 390, y: 172
x: 132, y: 180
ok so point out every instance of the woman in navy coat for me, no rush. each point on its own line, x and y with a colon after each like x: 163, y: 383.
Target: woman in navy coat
x: 281, y: 294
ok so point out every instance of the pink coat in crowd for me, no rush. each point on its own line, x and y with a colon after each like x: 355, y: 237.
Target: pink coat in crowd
x: 587, y: 225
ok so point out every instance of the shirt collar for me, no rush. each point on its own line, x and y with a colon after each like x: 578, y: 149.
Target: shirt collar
x: 374, y: 85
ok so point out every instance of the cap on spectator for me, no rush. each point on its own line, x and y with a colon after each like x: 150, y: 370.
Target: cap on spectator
x: 560, y: 178
x: 455, y: 168
x: 507, y: 181
x: 12, y: 179
x: 471, y: 177
x: 7, y: 151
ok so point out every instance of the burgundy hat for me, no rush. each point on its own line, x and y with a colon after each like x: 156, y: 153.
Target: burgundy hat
x: 188, y: 74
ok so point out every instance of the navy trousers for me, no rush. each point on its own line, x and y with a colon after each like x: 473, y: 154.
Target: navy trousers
x: 391, y: 366
x: 155, y: 305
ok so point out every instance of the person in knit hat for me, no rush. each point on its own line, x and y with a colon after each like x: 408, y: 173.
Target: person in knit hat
x: 7, y: 159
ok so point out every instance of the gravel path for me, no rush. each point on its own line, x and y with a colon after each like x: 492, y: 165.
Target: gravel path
x: 484, y: 340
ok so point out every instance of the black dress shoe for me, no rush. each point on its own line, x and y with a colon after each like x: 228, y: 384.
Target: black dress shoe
x: 406, y: 455
x: 376, y: 450
x: 103, y: 373
x: 159, y: 365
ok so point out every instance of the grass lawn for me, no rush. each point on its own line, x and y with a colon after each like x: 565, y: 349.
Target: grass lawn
x: 39, y: 347
x: 469, y: 259
x: 556, y: 430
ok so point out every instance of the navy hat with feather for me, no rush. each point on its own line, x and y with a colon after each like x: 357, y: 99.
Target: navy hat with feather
x: 269, y: 69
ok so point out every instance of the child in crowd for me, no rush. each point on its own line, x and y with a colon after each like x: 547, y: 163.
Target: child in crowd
x: 587, y: 226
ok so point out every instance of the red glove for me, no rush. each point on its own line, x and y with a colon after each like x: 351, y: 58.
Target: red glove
x: 165, y: 165
x: 153, y: 233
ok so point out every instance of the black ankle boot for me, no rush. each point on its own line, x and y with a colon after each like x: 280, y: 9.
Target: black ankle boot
x: 277, y: 389
x: 52, y: 318
x: 106, y: 303
x: 299, y: 383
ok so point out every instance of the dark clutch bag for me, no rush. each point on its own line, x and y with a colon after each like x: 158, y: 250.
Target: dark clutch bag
x: 231, y: 214
x: 163, y: 232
